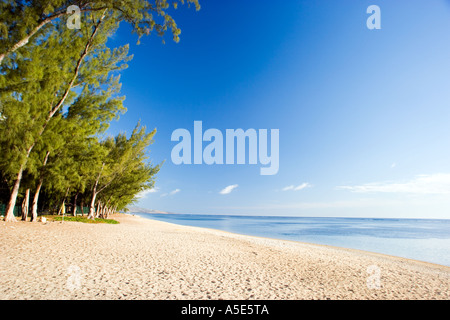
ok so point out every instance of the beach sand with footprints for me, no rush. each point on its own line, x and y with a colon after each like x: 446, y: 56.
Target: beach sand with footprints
x: 146, y: 259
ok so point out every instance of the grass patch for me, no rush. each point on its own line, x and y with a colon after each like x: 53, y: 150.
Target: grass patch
x: 83, y: 219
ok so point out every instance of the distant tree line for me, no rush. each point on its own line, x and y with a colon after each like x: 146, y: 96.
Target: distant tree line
x: 59, y: 90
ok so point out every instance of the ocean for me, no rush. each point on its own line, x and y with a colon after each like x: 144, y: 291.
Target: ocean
x: 419, y: 239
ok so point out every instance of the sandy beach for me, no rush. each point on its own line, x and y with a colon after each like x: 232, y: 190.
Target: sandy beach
x: 145, y: 259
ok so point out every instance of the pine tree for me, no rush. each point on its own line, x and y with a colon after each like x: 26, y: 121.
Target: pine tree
x: 59, y: 89
x: 121, y: 159
x: 23, y: 20
x: 138, y: 175
x: 50, y: 84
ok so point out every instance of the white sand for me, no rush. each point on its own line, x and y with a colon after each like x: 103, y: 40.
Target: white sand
x: 146, y: 259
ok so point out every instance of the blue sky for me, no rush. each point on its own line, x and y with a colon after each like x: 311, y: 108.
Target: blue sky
x: 363, y: 114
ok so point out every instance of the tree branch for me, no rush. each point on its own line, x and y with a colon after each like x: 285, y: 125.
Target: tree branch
x: 27, y: 38
x: 77, y: 68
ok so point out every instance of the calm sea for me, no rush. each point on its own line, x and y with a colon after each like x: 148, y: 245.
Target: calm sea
x: 419, y: 239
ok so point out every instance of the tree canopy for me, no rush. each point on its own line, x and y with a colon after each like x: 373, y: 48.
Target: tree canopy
x: 59, y: 90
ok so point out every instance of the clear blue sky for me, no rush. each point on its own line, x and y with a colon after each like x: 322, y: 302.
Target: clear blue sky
x: 364, y: 115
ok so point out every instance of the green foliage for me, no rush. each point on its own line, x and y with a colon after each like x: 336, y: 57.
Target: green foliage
x: 83, y: 219
x: 130, y: 172
x: 60, y: 89
x: 20, y: 20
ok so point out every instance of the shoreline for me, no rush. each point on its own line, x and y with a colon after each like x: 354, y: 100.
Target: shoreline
x: 136, y: 214
x: 141, y: 258
x: 277, y: 241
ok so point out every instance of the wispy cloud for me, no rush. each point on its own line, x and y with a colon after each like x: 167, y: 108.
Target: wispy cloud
x: 422, y: 184
x: 297, y: 188
x: 144, y: 193
x: 171, y: 193
x: 228, y: 189
x: 360, y: 203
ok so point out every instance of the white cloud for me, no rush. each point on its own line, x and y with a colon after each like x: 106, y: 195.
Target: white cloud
x: 361, y: 203
x: 171, y: 193
x: 422, y: 184
x: 144, y: 193
x: 228, y: 189
x: 297, y: 188
x: 302, y: 186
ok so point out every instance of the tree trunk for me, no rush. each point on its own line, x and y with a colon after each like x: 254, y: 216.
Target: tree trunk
x: 92, y: 206
x: 25, y: 205
x: 110, y: 210
x: 38, y: 190
x: 74, y: 211
x: 94, y: 194
x: 99, y: 208
x: 9, y: 215
x: 35, y: 201
x: 82, y: 208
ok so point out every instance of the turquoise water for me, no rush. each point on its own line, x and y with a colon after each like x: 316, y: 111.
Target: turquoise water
x: 418, y: 239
